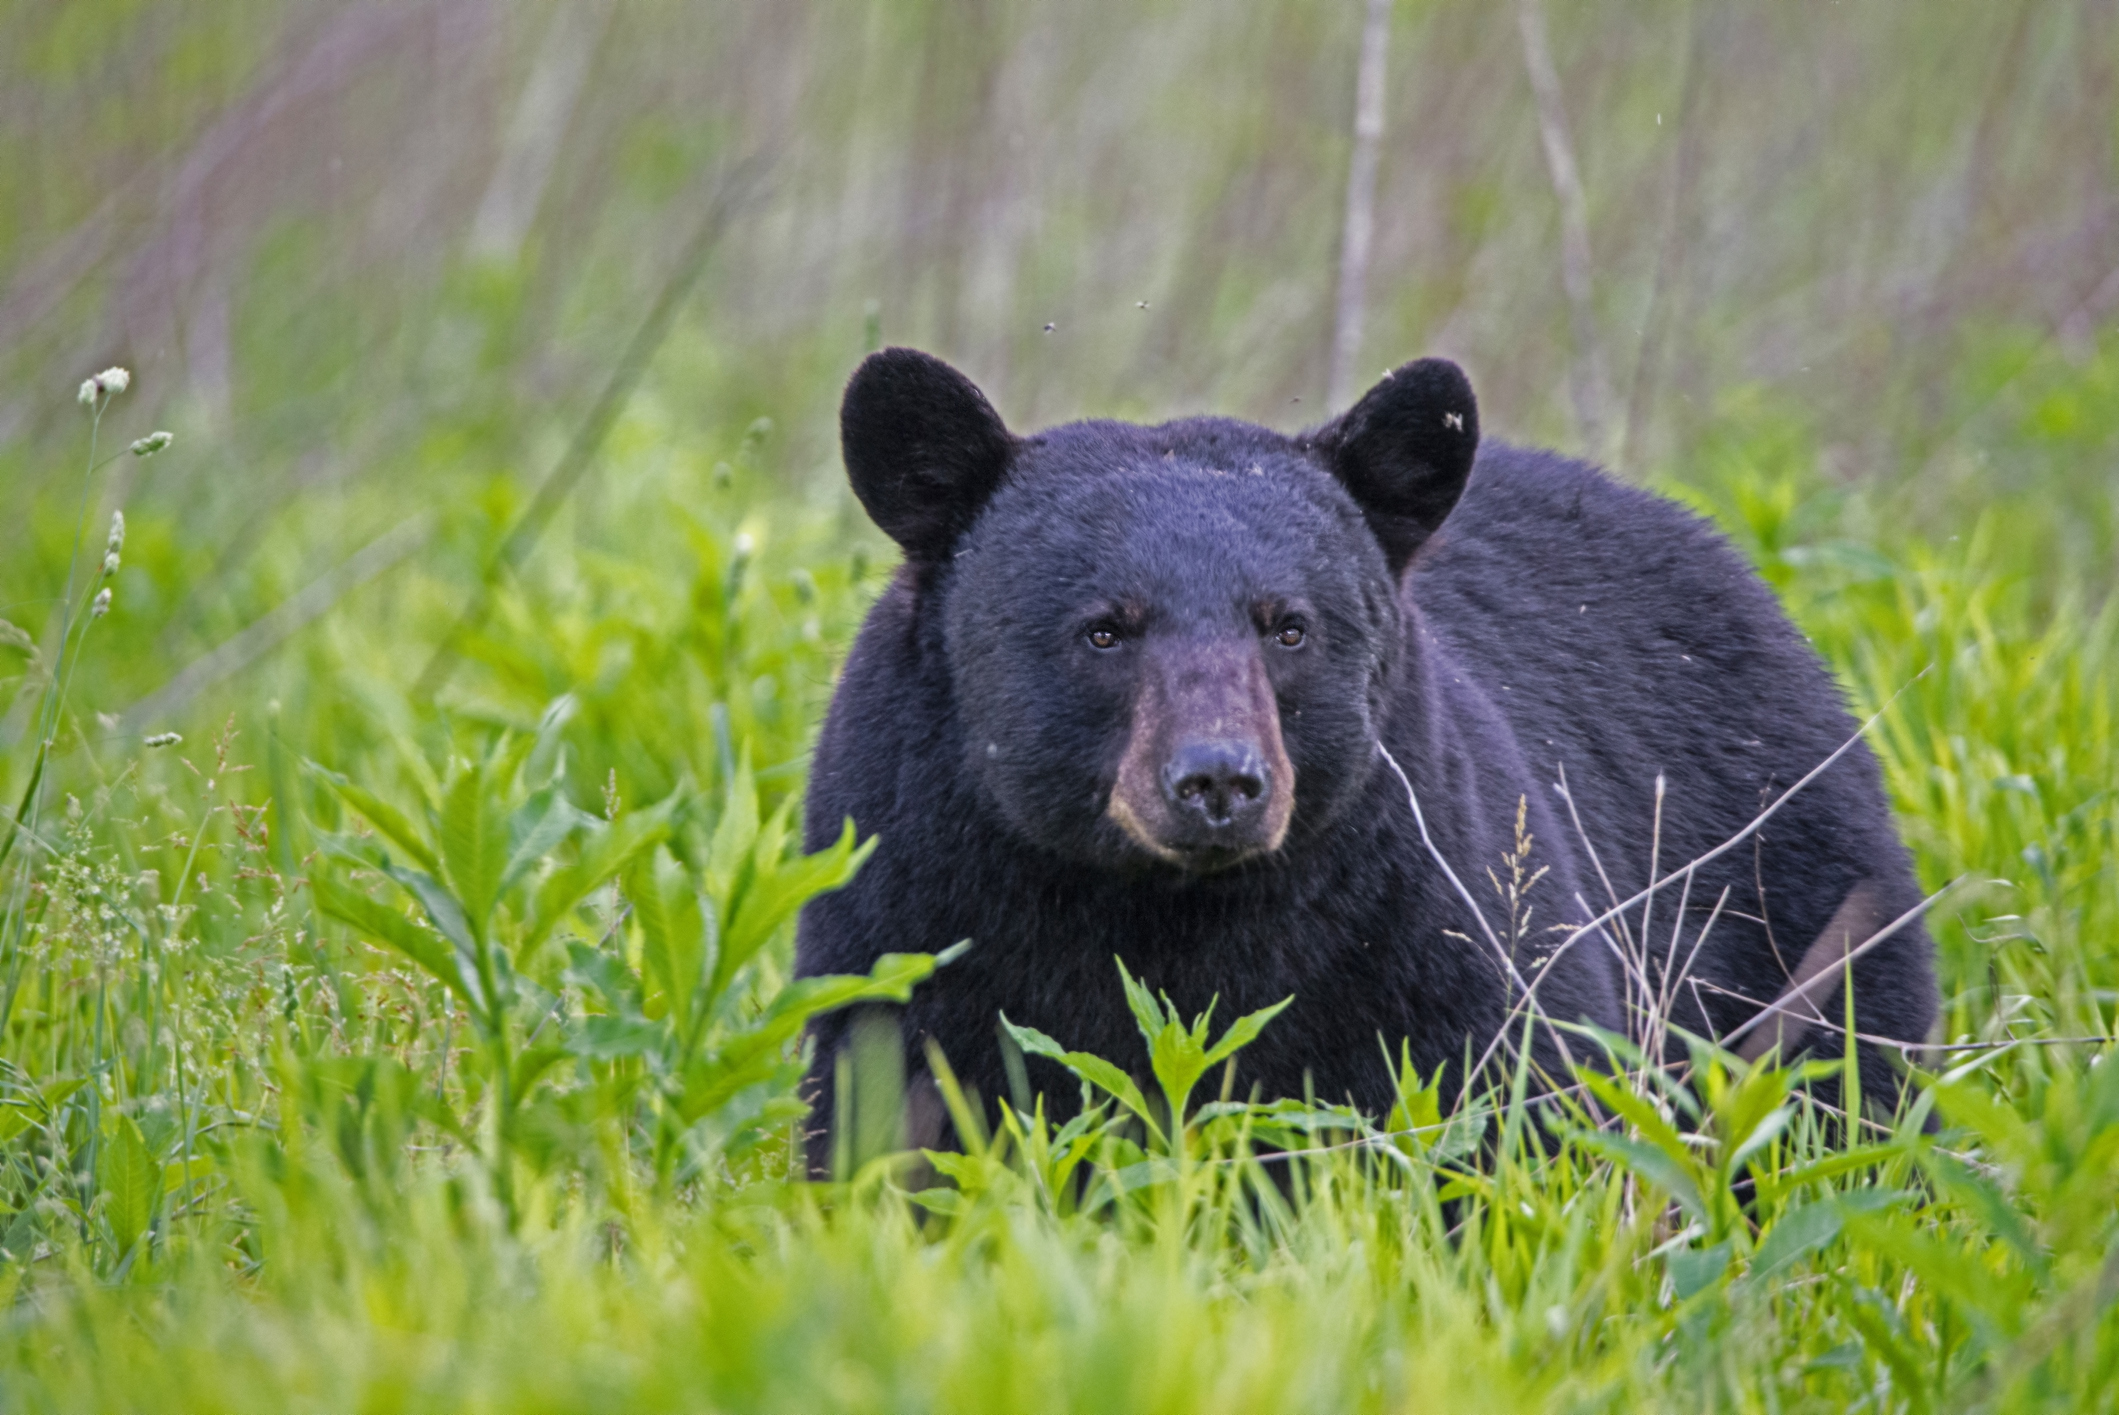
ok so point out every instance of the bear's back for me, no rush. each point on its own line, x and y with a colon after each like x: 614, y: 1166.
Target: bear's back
x: 1548, y: 556
x: 1610, y: 604
x: 1626, y: 641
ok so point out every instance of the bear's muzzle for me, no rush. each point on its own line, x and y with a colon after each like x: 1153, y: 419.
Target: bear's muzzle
x: 1205, y: 781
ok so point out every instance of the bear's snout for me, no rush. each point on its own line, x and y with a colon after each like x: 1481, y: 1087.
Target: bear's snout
x: 1205, y: 782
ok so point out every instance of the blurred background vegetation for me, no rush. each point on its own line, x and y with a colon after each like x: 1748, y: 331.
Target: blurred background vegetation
x: 377, y: 258
x: 502, y: 346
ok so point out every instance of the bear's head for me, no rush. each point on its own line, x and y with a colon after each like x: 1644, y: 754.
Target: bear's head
x: 1170, y: 646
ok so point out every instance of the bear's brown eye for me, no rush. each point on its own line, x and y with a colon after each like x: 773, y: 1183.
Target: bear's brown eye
x: 1103, y: 637
x: 1290, y: 636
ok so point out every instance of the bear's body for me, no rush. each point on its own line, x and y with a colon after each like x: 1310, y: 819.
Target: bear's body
x: 1550, y: 620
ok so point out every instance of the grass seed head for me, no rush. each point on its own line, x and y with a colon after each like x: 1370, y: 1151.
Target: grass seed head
x: 152, y: 443
x: 101, y: 606
x: 162, y: 739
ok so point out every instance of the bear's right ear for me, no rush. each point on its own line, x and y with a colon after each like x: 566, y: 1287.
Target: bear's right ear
x: 1404, y: 452
x: 924, y: 449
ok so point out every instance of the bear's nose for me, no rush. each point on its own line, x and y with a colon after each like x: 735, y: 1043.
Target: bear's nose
x: 1223, y: 781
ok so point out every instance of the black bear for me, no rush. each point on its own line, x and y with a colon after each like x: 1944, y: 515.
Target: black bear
x: 1267, y: 715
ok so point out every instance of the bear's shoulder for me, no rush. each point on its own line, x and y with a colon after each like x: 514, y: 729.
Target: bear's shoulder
x: 1536, y: 518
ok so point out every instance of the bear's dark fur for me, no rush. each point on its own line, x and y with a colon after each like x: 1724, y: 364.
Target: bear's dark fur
x: 1073, y: 716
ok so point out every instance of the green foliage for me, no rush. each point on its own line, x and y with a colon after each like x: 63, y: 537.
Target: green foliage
x: 655, y: 1009
x: 1177, y: 1054
x: 378, y: 1053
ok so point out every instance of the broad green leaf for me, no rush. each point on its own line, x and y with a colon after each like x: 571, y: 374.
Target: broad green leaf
x: 1032, y: 1041
x: 776, y: 892
x: 131, y: 1181
x: 946, y: 1202
x: 1244, y: 1030
x: 443, y: 909
x: 532, y: 1065
x: 772, y: 836
x: 1106, y: 1076
x: 964, y: 1169
x: 1693, y: 1269
x: 710, y: 1084
x: 1745, y: 1117
x: 606, y: 974
x: 474, y: 844
x: 1650, y: 1163
x: 177, y: 1173
x: 56, y: 1093
x: 1847, y: 1162
x: 1093, y: 1069
x: 536, y: 828
x: 1417, y: 1108
x: 606, y: 1038
x: 1178, y: 1061
x: 755, y: 1053
x: 1082, y: 1129
x: 448, y: 917
x: 1462, y: 1135
x: 734, y: 834
x: 386, y: 818
x: 386, y: 926
x: 1644, y: 1117
x: 1148, y: 1014
x: 891, y: 979
x: 605, y: 853
x: 1794, y: 1235
x: 1768, y: 1126
x: 672, y: 924
x: 1142, y: 1174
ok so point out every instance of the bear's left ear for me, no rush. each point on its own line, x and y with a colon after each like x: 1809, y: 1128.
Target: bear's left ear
x: 1404, y: 451
x: 924, y: 449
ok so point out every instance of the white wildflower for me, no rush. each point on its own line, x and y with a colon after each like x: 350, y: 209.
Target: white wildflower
x: 110, y: 563
x: 152, y: 443
x: 111, y: 380
x: 101, y: 606
x: 163, y: 739
x: 117, y: 532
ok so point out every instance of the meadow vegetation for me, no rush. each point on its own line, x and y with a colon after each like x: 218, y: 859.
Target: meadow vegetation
x: 395, y: 909
x: 448, y: 1058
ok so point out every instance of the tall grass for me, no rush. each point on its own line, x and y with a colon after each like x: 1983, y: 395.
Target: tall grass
x: 368, y: 1053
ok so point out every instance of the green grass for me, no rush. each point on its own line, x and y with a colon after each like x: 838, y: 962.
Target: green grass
x: 367, y: 1053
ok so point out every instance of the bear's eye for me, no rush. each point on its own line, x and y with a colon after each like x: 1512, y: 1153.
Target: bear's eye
x: 1290, y: 636
x: 1103, y: 636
